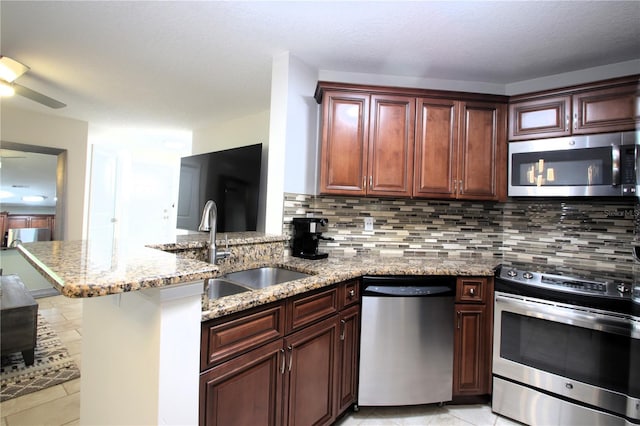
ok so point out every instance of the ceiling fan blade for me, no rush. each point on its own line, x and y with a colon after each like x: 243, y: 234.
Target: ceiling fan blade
x: 37, y: 97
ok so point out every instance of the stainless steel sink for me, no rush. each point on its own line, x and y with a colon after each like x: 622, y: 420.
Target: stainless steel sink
x: 264, y: 277
x: 219, y: 287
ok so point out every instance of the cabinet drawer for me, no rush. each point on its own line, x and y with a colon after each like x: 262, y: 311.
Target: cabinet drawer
x: 224, y: 340
x: 304, y: 310
x: 471, y: 289
x: 349, y: 293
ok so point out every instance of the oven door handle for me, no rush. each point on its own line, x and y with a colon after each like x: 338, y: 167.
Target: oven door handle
x: 566, y: 314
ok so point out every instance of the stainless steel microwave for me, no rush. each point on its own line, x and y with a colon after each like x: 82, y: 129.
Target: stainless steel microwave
x: 604, y: 165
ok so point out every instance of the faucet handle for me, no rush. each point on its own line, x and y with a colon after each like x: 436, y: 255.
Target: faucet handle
x: 226, y: 241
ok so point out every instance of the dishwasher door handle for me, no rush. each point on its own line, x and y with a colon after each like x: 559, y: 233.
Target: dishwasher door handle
x: 408, y: 291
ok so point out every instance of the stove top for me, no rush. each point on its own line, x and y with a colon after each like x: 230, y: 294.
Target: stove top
x: 608, y: 294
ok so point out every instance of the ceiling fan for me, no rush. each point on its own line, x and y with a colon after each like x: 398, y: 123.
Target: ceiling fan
x: 10, y: 70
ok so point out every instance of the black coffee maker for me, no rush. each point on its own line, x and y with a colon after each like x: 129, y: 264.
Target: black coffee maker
x: 306, y: 234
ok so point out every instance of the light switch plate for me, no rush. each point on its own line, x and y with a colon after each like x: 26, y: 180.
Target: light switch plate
x: 368, y: 224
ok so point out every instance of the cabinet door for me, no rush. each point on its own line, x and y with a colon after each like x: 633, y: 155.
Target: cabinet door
x: 482, y: 152
x: 15, y: 222
x: 40, y: 222
x: 470, y: 364
x: 347, y: 378
x: 540, y: 118
x: 607, y: 110
x: 245, y: 390
x: 345, y: 132
x: 436, y: 148
x: 309, y: 388
x: 391, y: 145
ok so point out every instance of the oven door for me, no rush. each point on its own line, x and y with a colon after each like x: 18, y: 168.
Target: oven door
x: 578, y: 354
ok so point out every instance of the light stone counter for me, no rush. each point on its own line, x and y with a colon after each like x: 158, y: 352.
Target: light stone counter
x: 334, y: 270
x: 87, y: 269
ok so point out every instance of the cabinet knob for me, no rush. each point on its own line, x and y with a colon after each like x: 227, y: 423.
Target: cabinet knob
x: 352, y: 293
x: 472, y: 291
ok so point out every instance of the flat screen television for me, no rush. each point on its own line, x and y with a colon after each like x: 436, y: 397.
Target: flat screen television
x: 231, y: 178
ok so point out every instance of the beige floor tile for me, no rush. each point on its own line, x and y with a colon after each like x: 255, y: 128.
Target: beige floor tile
x: 54, y: 413
x: 479, y: 415
x: 74, y: 347
x: 72, y: 386
x: 3, y: 422
x: 73, y: 423
x: 31, y: 400
x: 504, y: 421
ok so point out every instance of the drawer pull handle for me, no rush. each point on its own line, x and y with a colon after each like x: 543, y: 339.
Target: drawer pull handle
x: 459, y: 315
x: 342, y: 323
x: 283, y: 361
x: 290, y: 348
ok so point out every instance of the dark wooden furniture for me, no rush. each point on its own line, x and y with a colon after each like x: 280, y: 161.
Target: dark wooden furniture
x: 293, y: 362
x: 472, y: 337
x: 19, y: 318
x: 389, y: 141
x: 19, y: 221
x: 604, y: 106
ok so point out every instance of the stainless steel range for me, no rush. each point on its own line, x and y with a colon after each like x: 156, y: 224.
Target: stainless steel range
x: 566, y: 350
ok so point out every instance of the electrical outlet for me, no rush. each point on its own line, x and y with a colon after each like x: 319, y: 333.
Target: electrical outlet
x: 368, y: 224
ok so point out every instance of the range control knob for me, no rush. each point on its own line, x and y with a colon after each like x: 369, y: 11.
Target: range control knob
x: 622, y: 288
x: 512, y: 273
x: 527, y: 275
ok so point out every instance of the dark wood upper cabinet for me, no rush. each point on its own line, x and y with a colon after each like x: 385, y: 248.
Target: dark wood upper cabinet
x: 391, y: 136
x: 550, y: 117
x: 482, y: 152
x: 460, y: 150
x: 436, y: 148
x: 345, y: 134
x: 420, y: 143
x: 599, y: 107
x: 607, y: 110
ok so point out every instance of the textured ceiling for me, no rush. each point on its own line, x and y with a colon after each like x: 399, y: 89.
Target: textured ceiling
x: 187, y: 64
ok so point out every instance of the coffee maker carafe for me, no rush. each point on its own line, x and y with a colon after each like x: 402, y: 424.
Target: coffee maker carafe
x: 306, y: 234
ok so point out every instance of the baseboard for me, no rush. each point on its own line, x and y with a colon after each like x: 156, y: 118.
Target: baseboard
x: 44, y: 292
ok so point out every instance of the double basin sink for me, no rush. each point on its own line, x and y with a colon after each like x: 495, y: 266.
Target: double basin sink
x: 250, y: 279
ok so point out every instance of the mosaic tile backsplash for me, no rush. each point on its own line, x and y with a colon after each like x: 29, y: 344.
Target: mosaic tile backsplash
x: 573, y: 232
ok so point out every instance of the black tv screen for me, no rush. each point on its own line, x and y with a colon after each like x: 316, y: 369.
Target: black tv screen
x: 231, y: 178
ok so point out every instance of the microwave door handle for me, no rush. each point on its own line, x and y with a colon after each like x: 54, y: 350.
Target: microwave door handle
x: 615, y: 165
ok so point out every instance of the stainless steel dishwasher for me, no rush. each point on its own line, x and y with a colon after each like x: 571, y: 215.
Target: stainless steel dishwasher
x: 406, y: 352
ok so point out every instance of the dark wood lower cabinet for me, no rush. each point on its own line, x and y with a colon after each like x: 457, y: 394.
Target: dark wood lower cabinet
x: 308, y: 377
x: 312, y: 367
x: 469, y: 372
x: 473, y: 337
x: 349, y: 348
x: 245, y: 390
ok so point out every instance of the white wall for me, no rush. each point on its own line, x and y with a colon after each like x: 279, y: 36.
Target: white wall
x: 544, y: 83
x: 588, y: 75
x: 411, y: 82
x: 293, y: 135
x: 301, y: 147
x: 32, y: 128
x: 243, y: 131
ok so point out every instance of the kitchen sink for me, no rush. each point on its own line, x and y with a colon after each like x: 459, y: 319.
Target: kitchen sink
x: 219, y: 287
x: 264, y: 277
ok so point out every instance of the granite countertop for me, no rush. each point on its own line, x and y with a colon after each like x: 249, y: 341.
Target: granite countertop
x: 335, y: 269
x: 198, y: 240
x: 90, y: 268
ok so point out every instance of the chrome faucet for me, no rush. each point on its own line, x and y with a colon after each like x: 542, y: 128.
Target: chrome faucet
x: 208, y: 224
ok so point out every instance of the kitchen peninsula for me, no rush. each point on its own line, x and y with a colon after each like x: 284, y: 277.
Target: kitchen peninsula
x: 141, y: 337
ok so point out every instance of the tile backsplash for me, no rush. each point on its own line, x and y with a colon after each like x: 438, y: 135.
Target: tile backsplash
x: 572, y: 232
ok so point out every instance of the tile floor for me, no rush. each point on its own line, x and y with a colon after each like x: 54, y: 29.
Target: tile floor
x: 60, y: 405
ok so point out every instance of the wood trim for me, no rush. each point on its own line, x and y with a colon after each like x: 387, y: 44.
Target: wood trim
x: 324, y: 86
